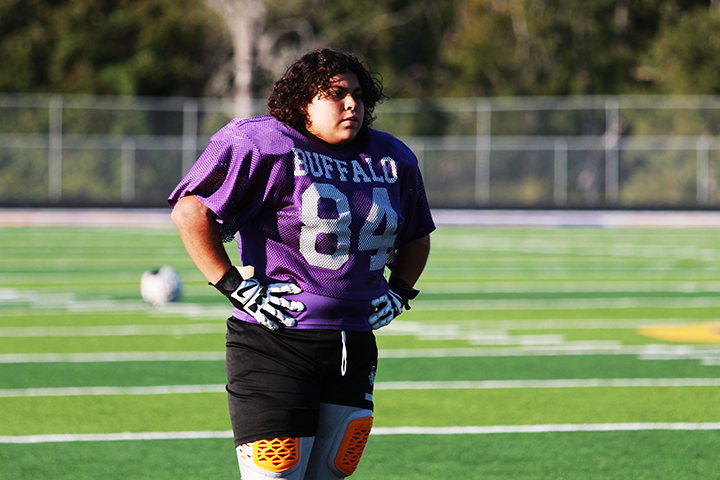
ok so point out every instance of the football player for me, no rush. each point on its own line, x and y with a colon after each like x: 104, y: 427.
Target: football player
x: 321, y: 204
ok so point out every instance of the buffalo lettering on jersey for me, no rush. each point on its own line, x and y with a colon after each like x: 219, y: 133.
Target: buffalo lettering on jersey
x: 380, y: 223
x: 322, y: 166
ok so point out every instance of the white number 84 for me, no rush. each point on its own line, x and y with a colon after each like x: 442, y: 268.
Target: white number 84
x: 368, y: 240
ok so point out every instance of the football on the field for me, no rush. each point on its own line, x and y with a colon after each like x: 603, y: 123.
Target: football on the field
x: 160, y: 287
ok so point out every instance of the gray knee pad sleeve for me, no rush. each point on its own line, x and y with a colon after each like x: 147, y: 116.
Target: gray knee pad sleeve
x: 341, y: 437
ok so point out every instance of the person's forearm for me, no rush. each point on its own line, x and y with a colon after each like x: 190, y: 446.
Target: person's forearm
x: 201, y: 237
x: 411, y: 260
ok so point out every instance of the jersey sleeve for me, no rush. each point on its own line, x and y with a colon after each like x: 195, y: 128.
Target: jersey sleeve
x: 418, y: 221
x: 418, y: 217
x: 228, y: 179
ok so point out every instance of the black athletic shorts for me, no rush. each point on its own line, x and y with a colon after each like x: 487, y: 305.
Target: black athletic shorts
x: 277, y: 380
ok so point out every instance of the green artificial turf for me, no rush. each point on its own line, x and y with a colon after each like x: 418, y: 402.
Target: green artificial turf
x: 496, y: 304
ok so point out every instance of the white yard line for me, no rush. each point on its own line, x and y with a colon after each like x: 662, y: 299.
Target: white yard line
x: 422, y: 385
x: 590, y: 218
x: 408, y: 327
x: 613, y: 303
x: 451, y: 430
x: 28, y: 301
x: 645, y: 352
x: 111, y: 357
x: 115, y: 437
x: 583, y: 287
x: 86, y: 217
x: 551, y: 428
x: 160, y: 217
x: 578, y: 383
x: 398, y: 327
x: 93, y: 391
x: 114, y: 330
x: 649, y: 352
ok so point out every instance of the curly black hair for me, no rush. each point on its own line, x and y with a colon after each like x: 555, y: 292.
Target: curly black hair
x: 310, y: 75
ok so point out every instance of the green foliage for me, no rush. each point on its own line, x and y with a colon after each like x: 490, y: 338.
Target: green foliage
x: 548, y: 48
x: 686, y: 55
x: 489, y: 48
x: 153, y: 47
x: 422, y: 48
x: 400, y: 39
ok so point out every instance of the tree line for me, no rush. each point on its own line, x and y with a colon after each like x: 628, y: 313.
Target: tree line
x: 421, y: 48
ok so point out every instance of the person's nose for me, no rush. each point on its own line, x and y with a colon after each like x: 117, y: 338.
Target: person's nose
x: 350, y: 103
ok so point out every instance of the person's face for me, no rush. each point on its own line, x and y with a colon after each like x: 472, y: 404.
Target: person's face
x: 334, y: 116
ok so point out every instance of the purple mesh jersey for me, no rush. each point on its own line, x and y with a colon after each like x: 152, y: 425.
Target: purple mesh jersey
x: 327, y: 220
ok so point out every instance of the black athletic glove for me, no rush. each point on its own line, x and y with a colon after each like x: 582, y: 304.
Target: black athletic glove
x: 392, y: 303
x: 263, y: 302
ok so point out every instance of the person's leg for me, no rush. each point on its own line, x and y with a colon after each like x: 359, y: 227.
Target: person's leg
x: 273, y: 399
x: 346, y: 404
x: 340, y: 441
x: 285, y: 458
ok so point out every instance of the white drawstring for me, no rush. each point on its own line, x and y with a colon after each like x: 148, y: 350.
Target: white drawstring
x: 343, y: 363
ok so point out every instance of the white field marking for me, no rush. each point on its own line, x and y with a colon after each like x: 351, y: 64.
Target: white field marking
x: 499, y: 334
x: 548, y: 428
x: 572, y: 383
x: 491, y: 332
x: 598, y: 218
x: 398, y: 327
x: 111, y: 357
x: 644, y: 352
x: 47, y: 302
x: 101, y: 391
x: 496, y: 333
x: 160, y: 217
x: 649, y: 352
x: 454, y: 331
x: 453, y: 430
x: 121, y: 217
x: 66, y: 301
x: 113, y: 331
x: 405, y: 327
x: 395, y: 353
x: 544, y: 250
x: 507, y: 352
x: 194, y: 310
x: 553, y: 286
x: 486, y: 337
x: 428, y: 385
x: 565, y: 303
x: 115, y: 437
x: 588, y: 246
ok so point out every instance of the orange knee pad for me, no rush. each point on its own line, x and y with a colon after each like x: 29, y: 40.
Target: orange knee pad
x: 353, y: 444
x: 284, y: 457
x: 277, y: 454
x: 334, y: 454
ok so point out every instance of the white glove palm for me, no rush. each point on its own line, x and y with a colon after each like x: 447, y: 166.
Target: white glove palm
x: 265, y: 303
x: 387, y: 308
x: 392, y: 304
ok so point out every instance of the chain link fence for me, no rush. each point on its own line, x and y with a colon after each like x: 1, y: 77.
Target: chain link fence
x: 627, y: 152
